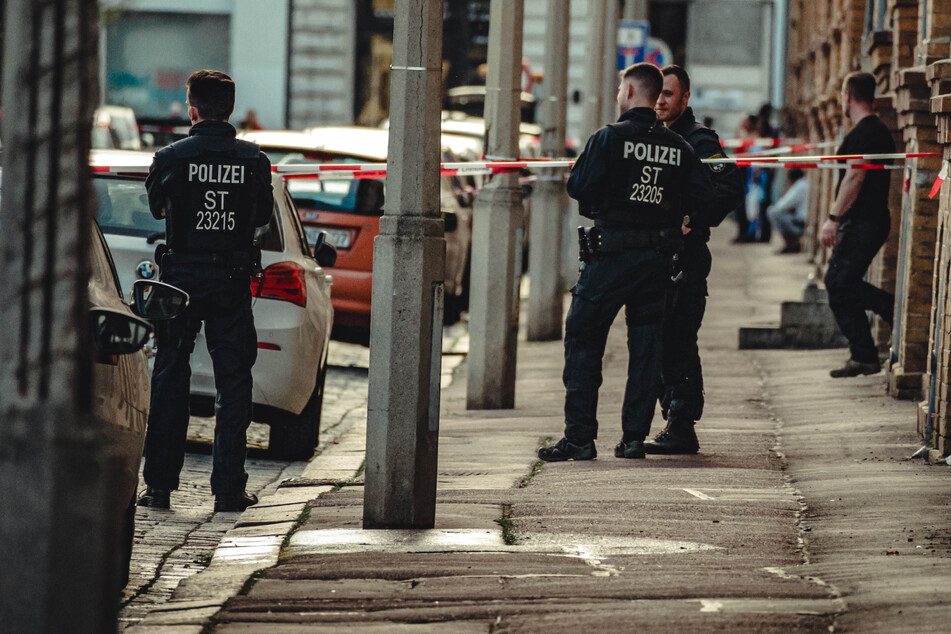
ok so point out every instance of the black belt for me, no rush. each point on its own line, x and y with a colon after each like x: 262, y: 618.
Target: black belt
x: 604, y: 240
x: 230, y: 258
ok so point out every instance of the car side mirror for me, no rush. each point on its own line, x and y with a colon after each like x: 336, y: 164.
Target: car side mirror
x: 450, y: 221
x: 156, y: 301
x: 115, y: 332
x: 324, y: 252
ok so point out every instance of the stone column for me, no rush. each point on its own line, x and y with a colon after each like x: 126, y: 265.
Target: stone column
x: 546, y: 293
x: 61, y: 540
x: 497, y: 225
x: 408, y: 267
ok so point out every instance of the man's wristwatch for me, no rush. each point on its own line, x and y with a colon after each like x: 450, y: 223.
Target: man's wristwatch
x: 833, y: 218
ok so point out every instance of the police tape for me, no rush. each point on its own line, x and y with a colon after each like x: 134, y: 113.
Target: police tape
x: 761, y: 142
x: 357, y: 171
x: 787, y: 149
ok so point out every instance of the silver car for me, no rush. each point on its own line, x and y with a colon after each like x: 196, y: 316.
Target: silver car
x: 291, y: 303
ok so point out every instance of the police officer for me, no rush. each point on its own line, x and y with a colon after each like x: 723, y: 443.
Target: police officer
x: 682, y: 391
x: 213, y: 191
x: 635, y: 179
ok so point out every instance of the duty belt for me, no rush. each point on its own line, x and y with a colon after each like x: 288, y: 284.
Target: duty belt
x: 603, y: 240
x: 229, y: 258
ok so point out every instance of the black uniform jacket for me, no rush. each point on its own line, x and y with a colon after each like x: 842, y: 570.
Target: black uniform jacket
x: 217, y: 136
x: 727, y: 177
x: 594, y: 182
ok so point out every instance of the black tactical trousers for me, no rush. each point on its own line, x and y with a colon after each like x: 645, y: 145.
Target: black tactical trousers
x: 636, y: 280
x: 682, y: 390
x: 850, y: 295
x: 224, y: 306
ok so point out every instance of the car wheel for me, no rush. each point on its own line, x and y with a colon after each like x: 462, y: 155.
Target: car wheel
x: 294, y: 437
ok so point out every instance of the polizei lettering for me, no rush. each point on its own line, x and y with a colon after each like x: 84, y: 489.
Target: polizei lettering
x: 652, y: 153
x: 217, y: 174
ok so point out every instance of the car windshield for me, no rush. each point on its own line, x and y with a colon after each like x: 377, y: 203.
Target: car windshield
x: 124, y: 207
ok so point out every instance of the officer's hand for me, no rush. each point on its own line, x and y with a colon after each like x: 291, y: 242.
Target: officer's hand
x: 685, y: 229
x: 830, y: 233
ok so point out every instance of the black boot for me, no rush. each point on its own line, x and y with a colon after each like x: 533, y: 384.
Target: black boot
x: 632, y: 449
x: 235, y: 502
x: 678, y: 438
x: 155, y: 498
x: 565, y: 450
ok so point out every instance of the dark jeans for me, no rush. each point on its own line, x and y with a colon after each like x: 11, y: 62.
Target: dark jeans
x: 682, y: 393
x: 224, y: 306
x: 850, y: 295
x: 636, y: 280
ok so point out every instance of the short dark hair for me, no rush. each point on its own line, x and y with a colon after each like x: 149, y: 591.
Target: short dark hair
x: 647, y: 76
x: 212, y: 93
x: 679, y: 73
x: 795, y: 174
x: 861, y: 86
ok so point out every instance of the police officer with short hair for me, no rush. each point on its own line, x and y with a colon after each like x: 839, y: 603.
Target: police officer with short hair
x: 682, y: 376
x: 213, y: 191
x: 635, y: 179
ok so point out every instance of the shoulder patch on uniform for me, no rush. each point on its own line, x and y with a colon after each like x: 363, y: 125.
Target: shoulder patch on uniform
x: 717, y: 167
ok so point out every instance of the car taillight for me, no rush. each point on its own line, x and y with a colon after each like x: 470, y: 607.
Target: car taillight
x: 282, y: 281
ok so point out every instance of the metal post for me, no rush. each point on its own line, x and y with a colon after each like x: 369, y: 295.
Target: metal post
x: 409, y: 264
x: 591, y: 120
x: 635, y: 9
x: 610, y: 78
x: 497, y: 224
x: 60, y: 538
x: 545, y: 300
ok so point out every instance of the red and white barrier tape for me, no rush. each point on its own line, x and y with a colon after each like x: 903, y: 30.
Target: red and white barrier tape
x: 353, y: 171
x: 786, y: 149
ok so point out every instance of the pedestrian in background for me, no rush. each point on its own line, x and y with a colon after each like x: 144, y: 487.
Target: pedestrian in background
x: 213, y: 191
x: 638, y: 181
x: 788, y: 214
x: 682, y: 376
x: 857, y: 227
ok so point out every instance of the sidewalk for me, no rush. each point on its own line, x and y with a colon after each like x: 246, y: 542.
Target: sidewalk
x: 801, y: 512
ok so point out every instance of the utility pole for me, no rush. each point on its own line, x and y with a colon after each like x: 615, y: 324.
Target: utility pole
x: 497, y: 225
x: 635, y: 9
x: 408, y: 268
x: 611, y: 80
x: 591, y: 117
x: 60, y: 539
x: 546, y: 293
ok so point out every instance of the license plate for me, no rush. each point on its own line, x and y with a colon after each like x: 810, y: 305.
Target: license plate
x: 339, y: 237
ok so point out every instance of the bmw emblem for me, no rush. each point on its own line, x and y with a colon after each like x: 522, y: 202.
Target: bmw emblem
x: 145, y: 269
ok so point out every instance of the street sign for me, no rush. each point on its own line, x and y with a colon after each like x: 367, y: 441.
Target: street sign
x: 632, y: 39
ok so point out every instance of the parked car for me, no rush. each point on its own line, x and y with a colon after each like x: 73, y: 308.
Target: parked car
x: 115, y: 127
x: 292, y: 309
x: 121, y: 383
x: 349, y: 212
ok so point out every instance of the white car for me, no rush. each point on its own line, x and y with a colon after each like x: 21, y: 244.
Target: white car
x: 291, y: 305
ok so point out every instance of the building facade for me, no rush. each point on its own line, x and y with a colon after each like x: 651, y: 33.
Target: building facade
x: 905, y: 44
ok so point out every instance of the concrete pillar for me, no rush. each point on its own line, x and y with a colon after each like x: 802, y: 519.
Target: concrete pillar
x: 545, y: 301
x: 61, y: 540
x: 609, y: 77
x: 636, y: 9
x: 409, y: 263
x: 496, y: 231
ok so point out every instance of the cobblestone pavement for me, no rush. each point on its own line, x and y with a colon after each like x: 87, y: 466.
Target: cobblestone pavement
x: 172, y: 545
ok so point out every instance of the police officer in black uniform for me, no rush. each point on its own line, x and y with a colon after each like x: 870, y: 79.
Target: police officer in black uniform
x: 682, y: 390
x: 213, y: 191
x: 635, y: 179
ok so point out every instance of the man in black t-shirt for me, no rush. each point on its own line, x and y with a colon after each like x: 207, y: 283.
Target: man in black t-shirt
x: 857, y: 228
